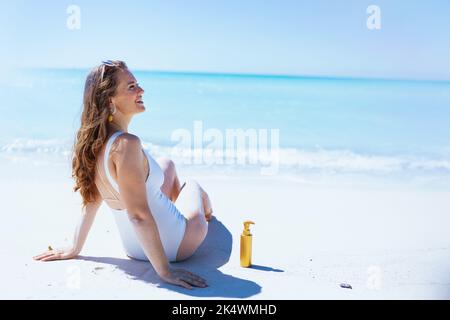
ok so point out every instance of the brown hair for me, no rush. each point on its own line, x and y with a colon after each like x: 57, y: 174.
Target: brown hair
x: 100, y: 86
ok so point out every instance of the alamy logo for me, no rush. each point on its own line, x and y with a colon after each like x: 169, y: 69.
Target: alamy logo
x: 74, y: 19
x: 375, y: 278
x: 374, y: 20
x: 73, y: 280
x: 235, y: 146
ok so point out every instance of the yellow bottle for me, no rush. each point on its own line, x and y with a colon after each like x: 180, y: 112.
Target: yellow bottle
x: 246, y: 245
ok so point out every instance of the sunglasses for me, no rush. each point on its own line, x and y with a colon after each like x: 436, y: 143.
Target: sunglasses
x: 106, y: 63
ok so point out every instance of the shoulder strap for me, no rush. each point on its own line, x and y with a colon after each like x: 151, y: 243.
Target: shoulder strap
x: 106, y: 156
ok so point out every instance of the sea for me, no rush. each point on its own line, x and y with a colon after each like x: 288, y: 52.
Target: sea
x: 304, y: 128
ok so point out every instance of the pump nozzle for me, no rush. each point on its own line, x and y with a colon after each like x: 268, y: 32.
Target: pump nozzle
x: 246, y: 245
x: 246, y: 231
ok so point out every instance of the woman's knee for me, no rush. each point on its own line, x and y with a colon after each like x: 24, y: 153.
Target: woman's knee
x: 167, y: 165
x: 192, y: 185
x: 171, y: 185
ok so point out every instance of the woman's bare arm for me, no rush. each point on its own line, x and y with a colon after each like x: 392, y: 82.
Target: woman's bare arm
x: 85, y: 224
x: 81, y: 232
x: 128, y: 158
x: 131, y: 174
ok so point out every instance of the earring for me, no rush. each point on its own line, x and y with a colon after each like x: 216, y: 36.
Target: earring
x: 110, y: 117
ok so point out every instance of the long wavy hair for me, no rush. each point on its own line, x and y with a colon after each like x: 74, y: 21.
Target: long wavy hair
x: 101, y: 84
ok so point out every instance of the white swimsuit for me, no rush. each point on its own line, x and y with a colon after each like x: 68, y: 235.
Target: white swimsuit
x: 171, y: 223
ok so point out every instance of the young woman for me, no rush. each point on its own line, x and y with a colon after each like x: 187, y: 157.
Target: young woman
x: 158, y: 219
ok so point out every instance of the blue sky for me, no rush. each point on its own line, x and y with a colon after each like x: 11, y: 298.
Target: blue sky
x: 322, y: 38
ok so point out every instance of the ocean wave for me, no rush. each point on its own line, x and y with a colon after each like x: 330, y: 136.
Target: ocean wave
x: 31, y: 147
x: 319, y: 160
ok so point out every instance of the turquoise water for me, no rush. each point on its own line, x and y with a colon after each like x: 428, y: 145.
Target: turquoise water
x: 372, y: 126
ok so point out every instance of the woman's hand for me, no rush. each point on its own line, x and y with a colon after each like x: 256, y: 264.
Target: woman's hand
x: 56, y: 254
x: 183, y: 278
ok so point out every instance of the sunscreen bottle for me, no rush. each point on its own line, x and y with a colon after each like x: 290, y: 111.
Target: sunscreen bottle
x: 246, y: 245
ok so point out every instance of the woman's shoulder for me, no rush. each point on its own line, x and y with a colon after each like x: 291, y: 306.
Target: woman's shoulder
x: 126, y: 137
x: 126, y: 142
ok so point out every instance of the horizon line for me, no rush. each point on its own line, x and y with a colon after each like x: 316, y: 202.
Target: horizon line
x: 255, y: 75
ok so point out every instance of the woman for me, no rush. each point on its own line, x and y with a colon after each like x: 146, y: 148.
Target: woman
x: 145, y: 196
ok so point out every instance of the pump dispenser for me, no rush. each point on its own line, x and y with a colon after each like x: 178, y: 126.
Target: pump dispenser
x: 246, y: 245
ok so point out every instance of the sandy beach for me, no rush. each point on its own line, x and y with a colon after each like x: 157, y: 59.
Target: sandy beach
x: 308, y: 240
x: 326, y: 124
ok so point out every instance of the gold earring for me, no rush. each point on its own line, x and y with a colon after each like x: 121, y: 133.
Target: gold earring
x: 110, y: 117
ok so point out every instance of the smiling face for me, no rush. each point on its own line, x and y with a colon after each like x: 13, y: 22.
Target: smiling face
x: 128, y: 96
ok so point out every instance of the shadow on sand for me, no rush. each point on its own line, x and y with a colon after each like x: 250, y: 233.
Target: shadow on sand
x: 214, y: 252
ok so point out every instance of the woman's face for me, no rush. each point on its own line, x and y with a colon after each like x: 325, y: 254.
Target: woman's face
x: 128, y: 98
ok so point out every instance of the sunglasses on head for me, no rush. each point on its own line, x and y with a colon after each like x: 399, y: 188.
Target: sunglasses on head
x: 106, y: 63
x: 109, y: 63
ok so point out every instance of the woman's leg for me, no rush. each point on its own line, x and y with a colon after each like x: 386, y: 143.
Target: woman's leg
x: 190, y: 203
x: 171, y: 186
x: 193, y: 202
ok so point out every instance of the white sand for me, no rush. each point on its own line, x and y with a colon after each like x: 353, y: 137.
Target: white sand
x: 386, y: 243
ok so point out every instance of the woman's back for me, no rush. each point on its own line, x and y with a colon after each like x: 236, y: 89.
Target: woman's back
x: 171, y: 223
x: 104, y: 186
